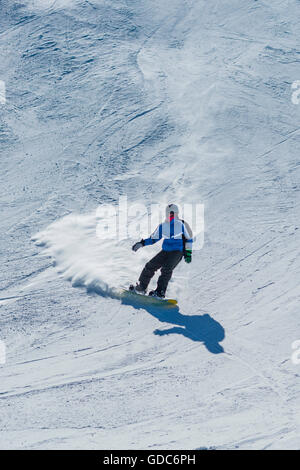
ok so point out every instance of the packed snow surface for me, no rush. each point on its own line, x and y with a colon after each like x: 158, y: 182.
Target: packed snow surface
x: 181, y: 101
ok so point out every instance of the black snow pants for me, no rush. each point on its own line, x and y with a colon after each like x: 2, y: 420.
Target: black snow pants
x: 166, y: 261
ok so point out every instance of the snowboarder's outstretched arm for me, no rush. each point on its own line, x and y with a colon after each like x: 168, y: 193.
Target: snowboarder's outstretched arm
x: 154, y: 237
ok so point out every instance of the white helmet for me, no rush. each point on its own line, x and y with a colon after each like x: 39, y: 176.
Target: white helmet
x: 171, y: 208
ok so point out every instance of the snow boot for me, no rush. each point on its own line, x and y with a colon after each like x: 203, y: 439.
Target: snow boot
x: 157, y: 293
x: 137, y: 288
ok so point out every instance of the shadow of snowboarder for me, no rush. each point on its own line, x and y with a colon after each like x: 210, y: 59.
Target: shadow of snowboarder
x: 202, y: 328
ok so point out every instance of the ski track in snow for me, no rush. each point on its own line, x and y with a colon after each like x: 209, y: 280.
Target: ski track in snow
x: 183, y: 101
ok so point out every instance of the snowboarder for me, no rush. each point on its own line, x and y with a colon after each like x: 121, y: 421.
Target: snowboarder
x: 177, y: 244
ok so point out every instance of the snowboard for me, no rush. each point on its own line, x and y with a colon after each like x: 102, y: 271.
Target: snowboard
x: 148, y: 299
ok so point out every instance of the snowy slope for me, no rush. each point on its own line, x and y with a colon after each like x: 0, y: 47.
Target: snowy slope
x: 174, y: 101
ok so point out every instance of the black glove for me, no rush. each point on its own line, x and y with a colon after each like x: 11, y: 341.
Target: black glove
x: 188, y: 256
x: 138, y: 245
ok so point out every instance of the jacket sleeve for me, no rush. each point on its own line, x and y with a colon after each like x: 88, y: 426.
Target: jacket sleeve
x: 187, y: 231
x: 154, y: 237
